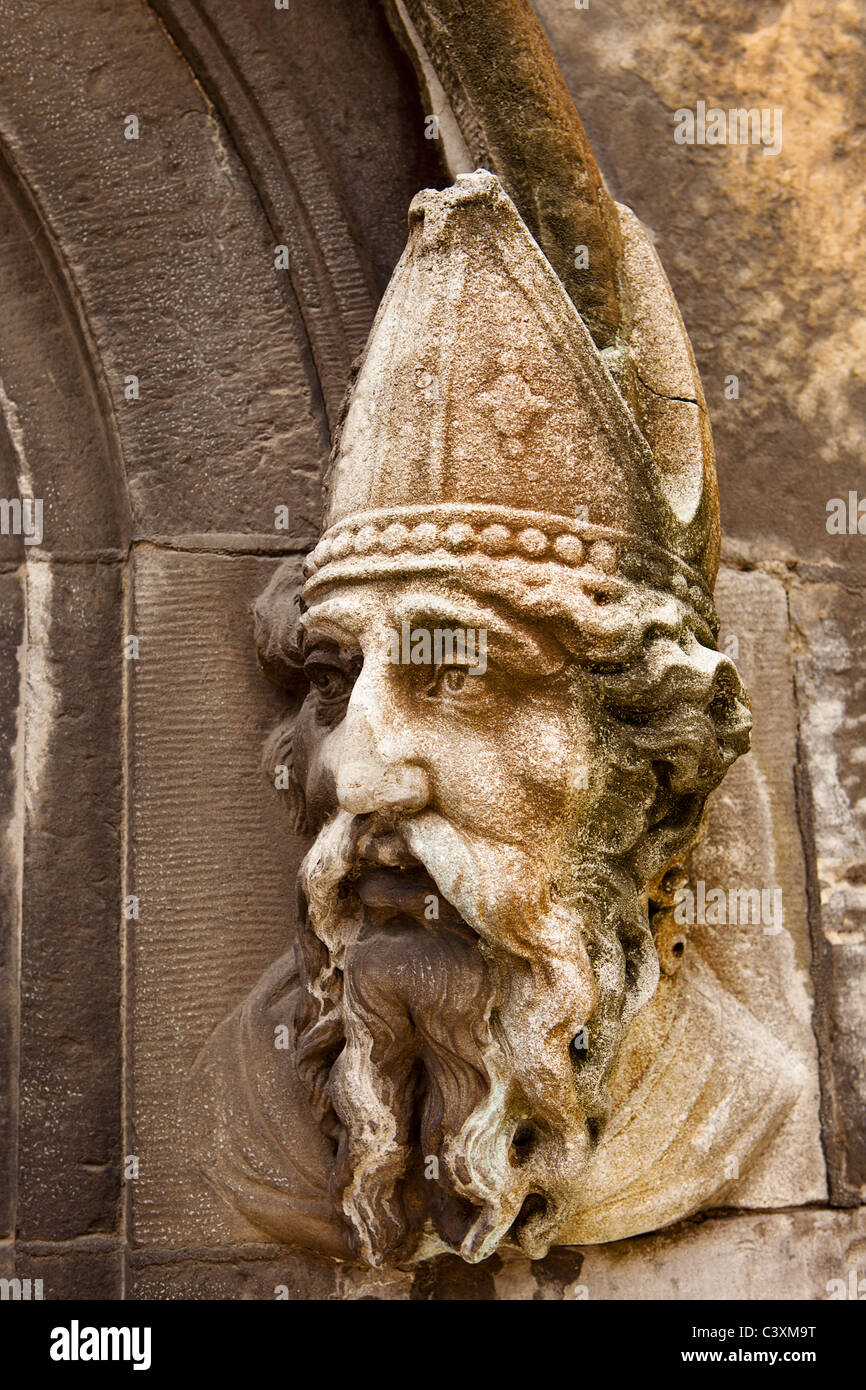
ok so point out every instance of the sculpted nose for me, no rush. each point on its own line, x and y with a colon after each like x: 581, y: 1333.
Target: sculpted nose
x: 363, y: 787
x: 375, y: 768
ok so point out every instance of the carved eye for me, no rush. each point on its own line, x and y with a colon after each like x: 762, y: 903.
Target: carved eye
x: 457, y: 683
x: 332, y: 682
x: 453, y: 680
x: 329, y: 682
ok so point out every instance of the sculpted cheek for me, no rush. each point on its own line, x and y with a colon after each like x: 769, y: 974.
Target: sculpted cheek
x: 544, y: 760
x: 321, y: 782
x: 314, y: 763
x: 553, y: 761
x: 304, y: 744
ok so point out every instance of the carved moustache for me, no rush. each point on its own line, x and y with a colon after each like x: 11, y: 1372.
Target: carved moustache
x: 437, y: 1034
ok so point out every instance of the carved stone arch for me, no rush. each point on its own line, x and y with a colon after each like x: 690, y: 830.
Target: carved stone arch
x: 172, y: 261
x: 59, y: 425
x: 61, y: 608
x: 328, y: 121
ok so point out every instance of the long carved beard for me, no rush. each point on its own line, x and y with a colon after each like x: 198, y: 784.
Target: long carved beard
x: 438, y: 1052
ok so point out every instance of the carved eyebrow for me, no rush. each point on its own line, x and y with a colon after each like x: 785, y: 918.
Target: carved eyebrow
x: 336, y: 626
x: 509, y: 639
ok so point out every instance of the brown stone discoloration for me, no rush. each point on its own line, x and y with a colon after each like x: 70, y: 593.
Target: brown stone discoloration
x: 762, y: 251
x: 11, y: 654
x: 69, y: 1130
x: 517, y: 117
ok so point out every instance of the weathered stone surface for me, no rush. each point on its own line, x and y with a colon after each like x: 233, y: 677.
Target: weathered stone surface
x: 785, y: 1255
x: 69, y: 1125
x: 210, y: 862
x: 830, y: 635
x: 799, y: 1255
x: 11, y: 643
x: 553, y: 1279
x: 58, y: 429
x: 232, y: 1274
x: 752, y: 840
x: 173, y: 266
x: 73, y: 1274
x: 762, y: 250
x: 334, y: 169
x: 242, y: 1273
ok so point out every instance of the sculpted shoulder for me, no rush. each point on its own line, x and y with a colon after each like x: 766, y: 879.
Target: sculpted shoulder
x: 249, y: 1126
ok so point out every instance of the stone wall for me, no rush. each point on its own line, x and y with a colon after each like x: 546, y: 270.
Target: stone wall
x: 167, y: 388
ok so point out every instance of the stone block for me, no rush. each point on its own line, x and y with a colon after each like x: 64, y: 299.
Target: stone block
x: 830, y: 633
x: 233, y: 1274
x: 752, y: 840
x: 11, y: 640
x: 69, y: 1127
x: 750, y: 1258
x: 73, y: 1274
x: 212, y: 858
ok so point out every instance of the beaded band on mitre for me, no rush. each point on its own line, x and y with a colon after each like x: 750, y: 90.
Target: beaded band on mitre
x: 417, y: 538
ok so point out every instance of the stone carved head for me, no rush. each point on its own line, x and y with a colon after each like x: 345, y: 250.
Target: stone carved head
x: 506, y: 709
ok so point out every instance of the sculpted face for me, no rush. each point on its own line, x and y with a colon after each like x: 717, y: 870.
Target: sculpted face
x: 502, y: 753
x: 450, y: 989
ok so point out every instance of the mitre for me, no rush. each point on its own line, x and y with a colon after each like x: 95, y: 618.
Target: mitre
x: 485, y: 429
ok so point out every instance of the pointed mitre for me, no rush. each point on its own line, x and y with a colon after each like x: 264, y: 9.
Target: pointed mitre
x: 484, y: 423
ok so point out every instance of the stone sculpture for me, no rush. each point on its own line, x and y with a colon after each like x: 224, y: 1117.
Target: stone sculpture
x: 505, y: 711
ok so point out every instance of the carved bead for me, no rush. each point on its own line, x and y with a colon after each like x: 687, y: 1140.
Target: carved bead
x: 366, y: 539
x: 459, y: 536
x: 495, y: 539
x: 424, y: 536
x: 532, y: 541
x: 394, y: 538
x: 603, y: 555
x: 570, y: 549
